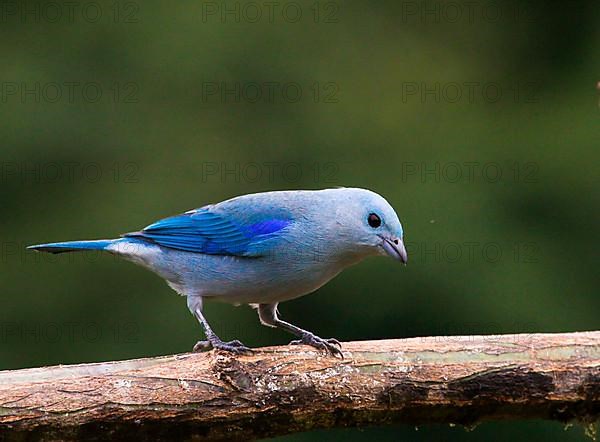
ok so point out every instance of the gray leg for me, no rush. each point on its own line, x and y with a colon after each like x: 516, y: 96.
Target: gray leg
x: 213, y: 341
x: 268, y: 316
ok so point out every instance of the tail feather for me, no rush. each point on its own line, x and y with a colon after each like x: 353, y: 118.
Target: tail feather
x: 73, y: 246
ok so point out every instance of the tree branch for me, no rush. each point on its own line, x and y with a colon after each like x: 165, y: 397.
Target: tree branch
x: 280, y: 390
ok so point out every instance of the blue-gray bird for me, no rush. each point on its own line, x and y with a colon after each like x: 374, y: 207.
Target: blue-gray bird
x: 260, y: 249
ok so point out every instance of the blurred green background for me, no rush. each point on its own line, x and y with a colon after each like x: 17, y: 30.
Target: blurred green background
x: 478, y: 121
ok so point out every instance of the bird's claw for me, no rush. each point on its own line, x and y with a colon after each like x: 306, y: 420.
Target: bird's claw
x: 331, y: 345
x: 334, y: 342
x: 234, y: 346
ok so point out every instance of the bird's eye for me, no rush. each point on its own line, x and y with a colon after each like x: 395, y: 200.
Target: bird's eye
x: 374, y: 220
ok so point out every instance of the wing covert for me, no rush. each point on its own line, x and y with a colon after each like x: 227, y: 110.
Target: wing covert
x: 204, y: 231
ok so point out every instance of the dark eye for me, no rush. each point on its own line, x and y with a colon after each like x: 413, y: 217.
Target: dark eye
x: 374, y: 220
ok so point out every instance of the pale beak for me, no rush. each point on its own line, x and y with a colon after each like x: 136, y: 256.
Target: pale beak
x: 395, y: 248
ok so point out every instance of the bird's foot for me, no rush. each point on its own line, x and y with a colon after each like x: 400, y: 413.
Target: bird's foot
x: 331, y: 345
x: 234, y: 346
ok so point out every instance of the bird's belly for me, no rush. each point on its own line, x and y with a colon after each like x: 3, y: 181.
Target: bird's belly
x: 238, y: 280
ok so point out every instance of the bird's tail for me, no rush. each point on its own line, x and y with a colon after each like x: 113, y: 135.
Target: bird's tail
x: 73, y: 246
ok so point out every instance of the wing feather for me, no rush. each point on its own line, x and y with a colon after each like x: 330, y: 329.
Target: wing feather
x: 204, y: 231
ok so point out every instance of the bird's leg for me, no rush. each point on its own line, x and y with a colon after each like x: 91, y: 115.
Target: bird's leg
x: 213, y: 341
x: 269, y: 316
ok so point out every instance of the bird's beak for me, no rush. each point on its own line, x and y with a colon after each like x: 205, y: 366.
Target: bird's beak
x: 395, y: 248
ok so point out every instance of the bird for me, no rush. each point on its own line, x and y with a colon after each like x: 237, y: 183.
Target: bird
x: 259, y: 249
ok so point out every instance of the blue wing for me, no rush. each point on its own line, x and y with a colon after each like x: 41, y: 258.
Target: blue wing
x: 204, y: 231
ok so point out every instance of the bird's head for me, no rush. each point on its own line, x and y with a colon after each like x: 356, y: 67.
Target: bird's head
x: 370, y: 223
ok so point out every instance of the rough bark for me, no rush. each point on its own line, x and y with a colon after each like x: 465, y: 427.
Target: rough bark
x: 280, y: 390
